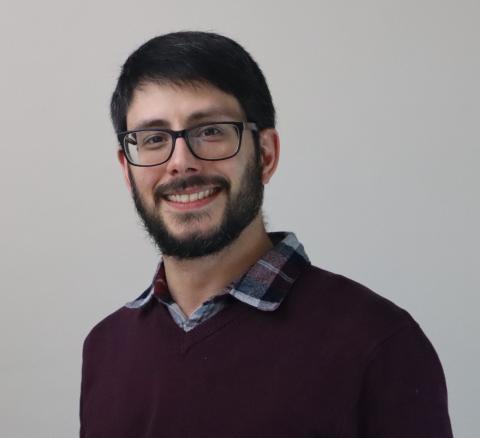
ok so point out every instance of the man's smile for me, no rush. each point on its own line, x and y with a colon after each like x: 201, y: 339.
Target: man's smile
x: 192, y: 198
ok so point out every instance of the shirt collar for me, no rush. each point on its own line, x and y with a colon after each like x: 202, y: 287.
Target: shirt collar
x: 263, y: 286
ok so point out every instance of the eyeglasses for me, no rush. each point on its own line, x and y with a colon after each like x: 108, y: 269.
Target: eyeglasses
x: 212, y: 142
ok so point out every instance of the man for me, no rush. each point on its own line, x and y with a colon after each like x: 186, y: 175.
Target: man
x: 238, y: 335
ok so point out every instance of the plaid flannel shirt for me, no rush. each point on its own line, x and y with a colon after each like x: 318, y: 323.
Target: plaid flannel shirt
x: 263, y: 286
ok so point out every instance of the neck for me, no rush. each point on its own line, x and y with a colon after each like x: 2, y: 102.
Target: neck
x: 192, y: 282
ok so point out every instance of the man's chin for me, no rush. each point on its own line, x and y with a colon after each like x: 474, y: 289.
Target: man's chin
x: 192, y: 245
x: 193, y: 229
x: 184, y: 239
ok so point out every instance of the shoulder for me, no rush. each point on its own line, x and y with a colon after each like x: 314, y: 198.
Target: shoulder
x: 350, y: 320
x: 346, y: 308
x: 107, y: 331
x: 114, y: 328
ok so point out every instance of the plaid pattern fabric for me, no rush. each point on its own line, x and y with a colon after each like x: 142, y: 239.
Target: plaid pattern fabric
x: 263, y: 286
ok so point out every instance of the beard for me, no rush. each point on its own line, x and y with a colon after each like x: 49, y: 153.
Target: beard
x: 240, y: 210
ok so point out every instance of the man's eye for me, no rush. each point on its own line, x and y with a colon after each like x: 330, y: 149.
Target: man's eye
x: 210, y: 130
x: 155, y: 140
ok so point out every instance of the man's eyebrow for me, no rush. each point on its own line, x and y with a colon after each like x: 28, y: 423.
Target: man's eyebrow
x: 214, y: 115
x: 211, y: 115
x: 150, y: 123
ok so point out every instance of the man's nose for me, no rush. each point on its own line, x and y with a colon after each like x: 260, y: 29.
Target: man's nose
x: 182, y: 160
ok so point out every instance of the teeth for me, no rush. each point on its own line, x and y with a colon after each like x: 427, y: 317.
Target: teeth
x: 191, y: 197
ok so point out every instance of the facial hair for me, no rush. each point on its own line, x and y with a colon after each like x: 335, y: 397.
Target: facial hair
x: 240, y: 210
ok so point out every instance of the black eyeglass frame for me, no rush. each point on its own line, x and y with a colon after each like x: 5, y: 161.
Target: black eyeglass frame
x: 241, y: 126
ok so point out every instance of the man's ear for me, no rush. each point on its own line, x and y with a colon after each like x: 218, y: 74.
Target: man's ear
x: 269, y: 152
x: 124, y: 163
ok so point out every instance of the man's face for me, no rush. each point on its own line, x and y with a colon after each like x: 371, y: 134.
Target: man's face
x: 231, y: 190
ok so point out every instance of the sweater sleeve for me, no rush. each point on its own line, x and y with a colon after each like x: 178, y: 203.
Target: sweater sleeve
x: 404, y: 393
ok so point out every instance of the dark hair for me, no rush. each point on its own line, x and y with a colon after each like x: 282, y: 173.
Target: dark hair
x: 191, y: 57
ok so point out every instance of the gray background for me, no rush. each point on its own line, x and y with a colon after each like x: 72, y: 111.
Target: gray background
x: 378, y: 110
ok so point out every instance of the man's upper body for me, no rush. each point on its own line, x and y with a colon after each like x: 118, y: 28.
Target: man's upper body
x: 294, y: 352
x: 238, y: 335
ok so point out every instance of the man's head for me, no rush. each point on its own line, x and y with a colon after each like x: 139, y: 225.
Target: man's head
x: 192, y: 206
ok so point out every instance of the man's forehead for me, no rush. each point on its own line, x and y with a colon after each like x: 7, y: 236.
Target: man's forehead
x: 165, y: 105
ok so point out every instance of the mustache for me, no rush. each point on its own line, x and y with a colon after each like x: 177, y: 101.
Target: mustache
x: 191, y: 181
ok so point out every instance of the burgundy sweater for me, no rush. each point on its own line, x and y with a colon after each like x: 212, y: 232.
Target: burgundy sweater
x: 334, y: 360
